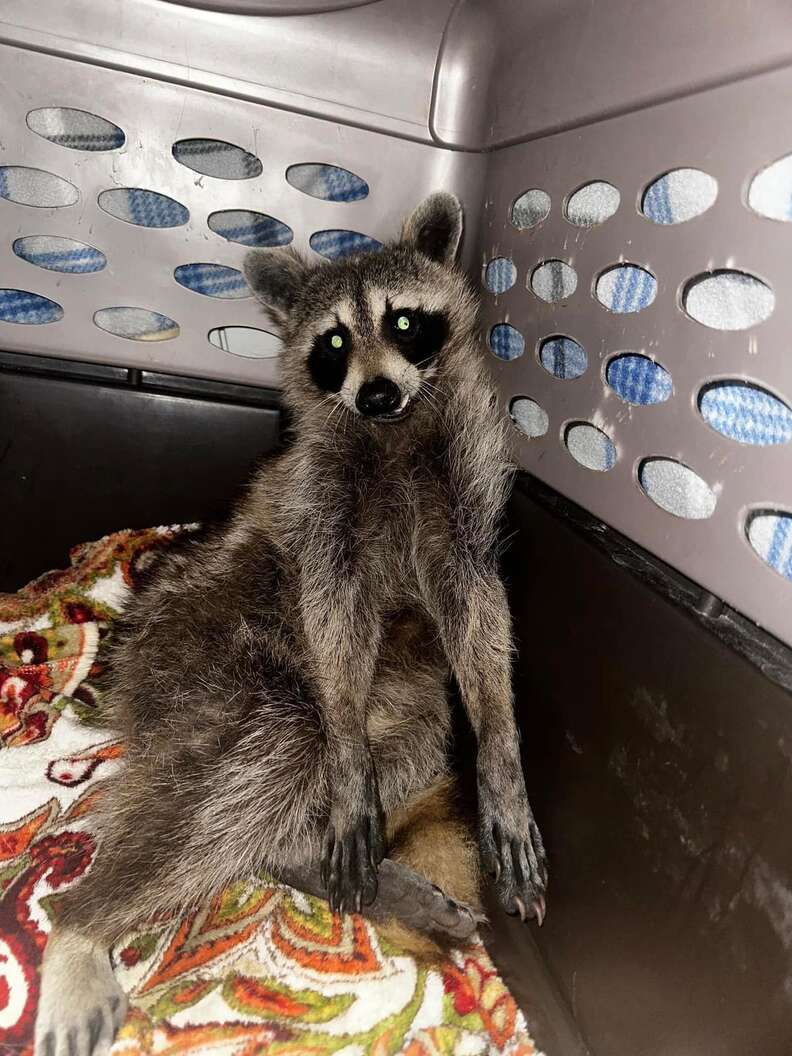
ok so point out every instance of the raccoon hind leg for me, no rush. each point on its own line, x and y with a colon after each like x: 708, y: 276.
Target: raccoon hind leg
x: 427, y: 891
x: 430, y: 837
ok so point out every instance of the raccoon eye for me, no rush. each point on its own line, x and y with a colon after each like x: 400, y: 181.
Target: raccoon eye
x: 404, y: 323
x: 335, y: 340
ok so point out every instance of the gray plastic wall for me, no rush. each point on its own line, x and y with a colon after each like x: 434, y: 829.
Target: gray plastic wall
x: 488, y: 99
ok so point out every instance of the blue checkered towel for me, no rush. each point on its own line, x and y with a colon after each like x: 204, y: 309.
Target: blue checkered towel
x: 212, y: 280
x: 136, y: 324
x: 638, y: 379
x: 328, y: 182
x: 506, y: 342
x: 214, y: 157
x: 75, y: 128
x: 554, y: 280
x: 626, y: 288
x: 770, y: 534
x: 336, y: 244
x: 59, y: 254
x: 563, y: 357
x: 678, y: 196
x: 36, y: 187
x: 20, y: 306
x: 144, y: 208
x: 746, y: 413
x: 589, y: 446
x: 530, y: 209
x: 500, y: 275
x: 250, y: 229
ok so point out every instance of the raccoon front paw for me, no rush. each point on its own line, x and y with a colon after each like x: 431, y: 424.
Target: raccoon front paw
x: 351, y: 854
x: 514, y: 856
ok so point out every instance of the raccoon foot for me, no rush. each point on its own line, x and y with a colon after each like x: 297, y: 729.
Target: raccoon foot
x: 81, y: 1006
x: 404, y: 895
x: 514, y: 856
x: 353, y: 847
x: 421, y: 905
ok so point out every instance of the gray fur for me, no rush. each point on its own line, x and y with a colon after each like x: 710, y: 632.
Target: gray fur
x: 281, y: 682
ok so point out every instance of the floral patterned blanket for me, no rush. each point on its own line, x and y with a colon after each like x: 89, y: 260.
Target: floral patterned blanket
x: 263, y: 968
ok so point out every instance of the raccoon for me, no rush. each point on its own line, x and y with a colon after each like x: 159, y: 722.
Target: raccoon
x: 282, y: 682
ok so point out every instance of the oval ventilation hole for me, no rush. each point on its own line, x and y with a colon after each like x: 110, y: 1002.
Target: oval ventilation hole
x: 770, y: 193
x: 528, y: 416
x: 336, y: 244
x: 136, y: 324
x: 144, y: 208
x: 770, y: 534
x: 638, y: 379
x: 500, y: 275
x: 553, y: 281
x: 212, y: 280
x: 36, y: 187
x: 245, y: 341
x: 590, y: 446
x: 215, y: 157
x: 506, y: 342
x: 59, y: 254
x: 592, y: 204
x: 728, y: 300
x: 626, y: 288
x: 75, y: 128
x: 328, y: 182
x: 530, y: 209
x: 250, y: 229
x: 678, y: 196
x: 563, y: 357
x: 20, y: 306
x: 746, y: 413
x: 676, y: 488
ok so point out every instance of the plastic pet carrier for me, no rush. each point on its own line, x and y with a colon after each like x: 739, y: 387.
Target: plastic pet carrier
x: 626, y: 172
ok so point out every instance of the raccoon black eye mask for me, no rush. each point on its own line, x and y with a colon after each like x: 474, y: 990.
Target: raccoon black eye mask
x: 416, y: 335
x: 329, y: 356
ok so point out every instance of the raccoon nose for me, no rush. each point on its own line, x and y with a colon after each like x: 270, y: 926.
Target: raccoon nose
x: 380, y: 396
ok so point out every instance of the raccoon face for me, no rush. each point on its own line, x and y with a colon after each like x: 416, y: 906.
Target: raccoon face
x: 370, y: 332
x: 375, y: 354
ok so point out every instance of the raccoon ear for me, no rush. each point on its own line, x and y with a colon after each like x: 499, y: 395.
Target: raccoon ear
x: 435, y: 227
x: 275, y: 276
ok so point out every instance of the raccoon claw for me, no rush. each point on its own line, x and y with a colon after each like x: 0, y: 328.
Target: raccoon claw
x: 519, y: 870
x: 349, y: 866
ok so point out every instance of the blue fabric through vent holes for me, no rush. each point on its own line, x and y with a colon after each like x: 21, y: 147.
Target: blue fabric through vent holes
x: 638, y: 379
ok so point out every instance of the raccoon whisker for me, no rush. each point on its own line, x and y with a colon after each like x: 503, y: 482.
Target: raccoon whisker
x: 428, y: 399
x: 339, y: 407
x: 434, y: 388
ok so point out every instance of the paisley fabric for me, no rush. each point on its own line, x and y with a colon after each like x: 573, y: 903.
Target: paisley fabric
x: 263, y: 968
